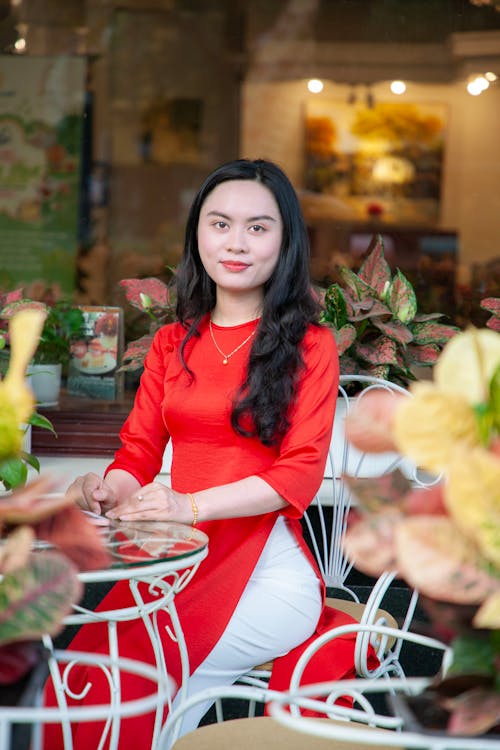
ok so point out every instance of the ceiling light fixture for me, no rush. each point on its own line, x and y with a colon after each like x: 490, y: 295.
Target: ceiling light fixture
x: 315, y: 86
x: 398, y: 87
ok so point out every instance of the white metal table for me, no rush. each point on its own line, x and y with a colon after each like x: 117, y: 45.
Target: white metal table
x: 164, y: 557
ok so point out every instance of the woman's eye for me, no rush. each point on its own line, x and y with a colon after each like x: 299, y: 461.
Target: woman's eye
x: 220, y: 224
x: 257, y: 228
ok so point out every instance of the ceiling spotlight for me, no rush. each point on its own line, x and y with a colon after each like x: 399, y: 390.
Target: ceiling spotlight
x: 477, y: 85
x: 315, y: 86
x: 491, y: 77
x: 398, y: 87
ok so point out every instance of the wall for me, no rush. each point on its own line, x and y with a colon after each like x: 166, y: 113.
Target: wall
x: 272, y: 126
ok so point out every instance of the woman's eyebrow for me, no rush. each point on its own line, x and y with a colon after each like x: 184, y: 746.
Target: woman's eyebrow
x: 263, y: 217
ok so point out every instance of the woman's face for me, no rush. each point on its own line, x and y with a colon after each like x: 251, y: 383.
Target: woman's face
x: 239, y: 236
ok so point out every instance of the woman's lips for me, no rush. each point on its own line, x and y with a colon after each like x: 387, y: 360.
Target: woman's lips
x: 234, y: 266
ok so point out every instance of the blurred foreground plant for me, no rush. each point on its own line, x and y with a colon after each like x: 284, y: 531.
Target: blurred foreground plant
x: 444, y: 541
x: 38, y: 586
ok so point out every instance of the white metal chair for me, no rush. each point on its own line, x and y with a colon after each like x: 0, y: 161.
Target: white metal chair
x: 332, y: 505
x: 262, y: 731
x: 326, y: 533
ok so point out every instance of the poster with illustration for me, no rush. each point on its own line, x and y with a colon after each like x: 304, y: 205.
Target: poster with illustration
x: 41, y: 110
x: 380, y: 162
x: 96, y: 357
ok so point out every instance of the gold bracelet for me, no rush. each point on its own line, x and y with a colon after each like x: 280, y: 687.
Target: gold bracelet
x: 194, y: 507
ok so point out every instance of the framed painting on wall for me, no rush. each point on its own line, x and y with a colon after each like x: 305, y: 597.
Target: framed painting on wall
x: 380, y: 162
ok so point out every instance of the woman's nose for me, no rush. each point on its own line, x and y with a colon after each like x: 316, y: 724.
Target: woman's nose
x: 237, y: 241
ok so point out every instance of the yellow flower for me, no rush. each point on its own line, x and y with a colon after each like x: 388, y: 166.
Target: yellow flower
x: 16, y: 399
x: 467, y: 364
x: 11, y: 435
x: 428, y: 427
x: 472, y: 496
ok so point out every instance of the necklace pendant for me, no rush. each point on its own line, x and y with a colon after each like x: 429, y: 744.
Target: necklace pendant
x: 224, y: 361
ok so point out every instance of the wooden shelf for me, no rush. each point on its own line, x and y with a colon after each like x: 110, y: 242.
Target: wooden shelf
x: 84, y: 427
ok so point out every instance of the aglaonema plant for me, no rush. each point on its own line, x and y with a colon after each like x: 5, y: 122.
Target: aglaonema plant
x: 374, y: 316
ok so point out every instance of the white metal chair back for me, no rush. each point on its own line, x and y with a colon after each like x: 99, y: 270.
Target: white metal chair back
x: 333, y: 501
x: 332, y: 505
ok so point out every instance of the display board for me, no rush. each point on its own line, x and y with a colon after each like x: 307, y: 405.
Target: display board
x: 41, y: 112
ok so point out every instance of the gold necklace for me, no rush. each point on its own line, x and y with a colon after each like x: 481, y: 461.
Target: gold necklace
x: 226, y: 357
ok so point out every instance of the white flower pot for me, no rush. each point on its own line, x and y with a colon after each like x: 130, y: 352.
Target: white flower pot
x: 45, y: 382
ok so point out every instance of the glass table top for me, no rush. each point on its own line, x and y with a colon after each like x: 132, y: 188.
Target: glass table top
x: 147, y: 542
x: 137, y: 543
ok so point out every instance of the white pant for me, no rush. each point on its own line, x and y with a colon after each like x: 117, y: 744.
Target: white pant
x: 279, y: 609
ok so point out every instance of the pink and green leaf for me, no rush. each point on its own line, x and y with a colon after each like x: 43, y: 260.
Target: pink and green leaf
x: 375, y: 270
x: 402, y: 299
x: 395, y: 330
x: 136, y: 290
x: 35, y: 599
x: 381, y: 352
x: 492, y: 305
x: 344, y: 337
x: 422, y: 355
x: 133, y: 357
x: 354, y: 284
x: 432, y: 333
x: 368, y: 307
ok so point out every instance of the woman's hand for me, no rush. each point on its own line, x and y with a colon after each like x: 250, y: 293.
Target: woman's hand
x: 92, y: 493
x: 154, y: 502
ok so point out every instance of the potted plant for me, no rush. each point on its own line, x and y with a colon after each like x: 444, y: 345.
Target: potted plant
x: 444, y: 541
x: 373, y: 315
x: 156, y: 300
x: 64, y: 323
x: 37, y: 588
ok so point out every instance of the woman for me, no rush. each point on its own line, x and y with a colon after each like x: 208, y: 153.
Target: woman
x: 244, y: 384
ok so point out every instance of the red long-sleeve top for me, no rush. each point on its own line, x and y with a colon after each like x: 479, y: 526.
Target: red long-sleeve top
x: 194, y: 412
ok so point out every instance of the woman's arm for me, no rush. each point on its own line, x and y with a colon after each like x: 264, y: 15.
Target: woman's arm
x: 251, y: 496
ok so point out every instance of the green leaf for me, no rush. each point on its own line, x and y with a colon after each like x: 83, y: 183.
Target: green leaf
x: 402, y: 299
x: 34, y: 599
x: 495, y: 398
x: 31, y: 460
x: 38, y: 420
x: 473, y: 655
x: 375, y: 270
x: 335, y: 312
x: 13, y: 472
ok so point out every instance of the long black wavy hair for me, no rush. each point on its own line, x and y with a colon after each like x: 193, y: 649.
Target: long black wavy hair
x: 289, y: 304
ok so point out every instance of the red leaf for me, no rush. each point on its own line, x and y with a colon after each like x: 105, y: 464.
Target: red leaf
x: 375, y: 270
x: 16, y: 659
x: 76, y: 537
x: 492, y: 304
x: 494, y: 324
x: 155, y: 289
